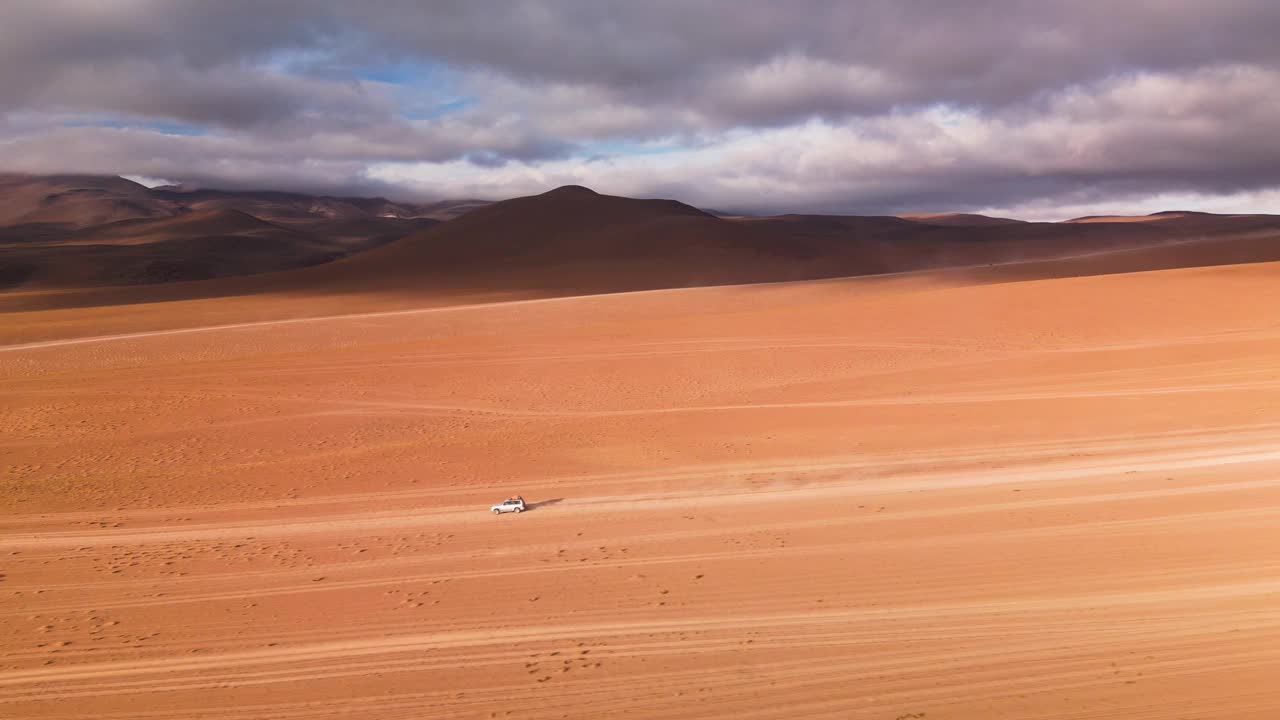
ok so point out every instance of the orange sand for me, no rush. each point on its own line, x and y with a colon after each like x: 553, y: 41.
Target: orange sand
x: 879, y: 498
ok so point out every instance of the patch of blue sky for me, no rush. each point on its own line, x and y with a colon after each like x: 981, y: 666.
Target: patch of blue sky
x: 97, y: 122
x: 295, y: 61
x: 404, y: 73
x: 160, y: 126
x: 431, y: 109
x: 629, y: 148
x: 423, y: 75
x: 424, y: 90
x: 176, y: 128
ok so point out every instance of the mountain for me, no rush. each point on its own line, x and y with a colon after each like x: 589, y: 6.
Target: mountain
x: 567, y: 241
x: 194, y: 245
x: 59, y: 202
x: 573, y: 240
x: 79, y: 231
x: 299, y: 209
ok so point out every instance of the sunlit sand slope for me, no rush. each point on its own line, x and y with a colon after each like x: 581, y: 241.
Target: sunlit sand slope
x: 880, y: 499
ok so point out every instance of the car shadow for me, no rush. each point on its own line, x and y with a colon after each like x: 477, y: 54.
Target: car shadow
x: 541, y: 503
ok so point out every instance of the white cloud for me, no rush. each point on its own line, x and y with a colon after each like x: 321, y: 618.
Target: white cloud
x: 1245, y: 203
x: 1073, y: 149
x: 876, y: 106
x: 149, y: 181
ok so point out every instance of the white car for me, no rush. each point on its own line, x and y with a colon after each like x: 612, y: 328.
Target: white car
x: 515, y: 505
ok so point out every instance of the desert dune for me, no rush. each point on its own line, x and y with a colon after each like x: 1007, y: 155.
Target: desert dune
x: 967, y: 493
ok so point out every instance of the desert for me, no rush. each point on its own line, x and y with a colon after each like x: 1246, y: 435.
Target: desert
x: 1021, y: 490
x: 592, y: 359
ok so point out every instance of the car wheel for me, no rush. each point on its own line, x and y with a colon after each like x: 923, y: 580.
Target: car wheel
x: 496, y: 511
x: 519, y: 509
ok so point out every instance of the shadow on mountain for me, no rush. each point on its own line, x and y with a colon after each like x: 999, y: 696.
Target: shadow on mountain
x: 568, y: 241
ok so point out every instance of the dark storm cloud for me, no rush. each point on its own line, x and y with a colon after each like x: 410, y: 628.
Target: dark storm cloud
x: 867, y: 106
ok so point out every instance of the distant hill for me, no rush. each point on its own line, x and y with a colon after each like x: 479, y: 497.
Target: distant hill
x: 296, y: 208
x: 567, y: 241
x: 572, y: 240
x: 960, y: 219
x: 1153, y: 217
x: 77, y: 231
x: 75, y: 201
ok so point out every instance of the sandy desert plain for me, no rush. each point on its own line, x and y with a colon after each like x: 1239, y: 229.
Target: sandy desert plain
x: 1019, y: 492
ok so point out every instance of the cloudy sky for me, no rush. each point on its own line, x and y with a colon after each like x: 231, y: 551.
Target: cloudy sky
x: 1040, y: 110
